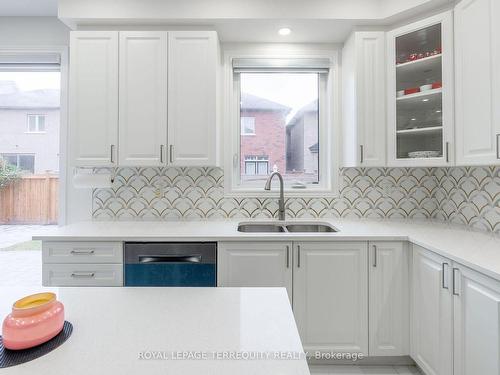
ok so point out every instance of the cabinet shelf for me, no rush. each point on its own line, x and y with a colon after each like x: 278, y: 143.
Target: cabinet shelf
x: 421, y: 94
x: 431, y: 129
x: 430, y: 60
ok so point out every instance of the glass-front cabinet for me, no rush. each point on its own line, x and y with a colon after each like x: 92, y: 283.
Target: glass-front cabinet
x: 420, y: 93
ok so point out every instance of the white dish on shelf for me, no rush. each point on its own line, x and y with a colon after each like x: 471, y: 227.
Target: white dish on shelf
x: 423, y: 154
x: 426, y: 87
x: 400, y: 93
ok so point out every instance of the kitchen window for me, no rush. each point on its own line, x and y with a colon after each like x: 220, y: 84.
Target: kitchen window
x: 284, y: 104
x: 36, y: 123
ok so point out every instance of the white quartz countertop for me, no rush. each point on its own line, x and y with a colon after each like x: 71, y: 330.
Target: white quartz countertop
x: 480, y: 251
x: 116, y: 330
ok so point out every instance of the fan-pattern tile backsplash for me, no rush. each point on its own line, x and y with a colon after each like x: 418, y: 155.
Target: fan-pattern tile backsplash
x: 461, y: 195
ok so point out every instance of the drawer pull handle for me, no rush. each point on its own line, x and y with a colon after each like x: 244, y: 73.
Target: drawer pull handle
x: 82, y: 252
x: 83, y: 274
x: 444, y: 279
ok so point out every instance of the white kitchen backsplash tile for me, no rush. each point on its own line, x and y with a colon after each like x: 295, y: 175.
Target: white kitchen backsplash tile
x: 468, y: 196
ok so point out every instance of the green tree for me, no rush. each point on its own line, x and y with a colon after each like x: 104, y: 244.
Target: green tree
x: 8, y: 173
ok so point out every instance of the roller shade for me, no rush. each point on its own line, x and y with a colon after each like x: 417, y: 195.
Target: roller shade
x: 246, y: 65
x: 31, y: 62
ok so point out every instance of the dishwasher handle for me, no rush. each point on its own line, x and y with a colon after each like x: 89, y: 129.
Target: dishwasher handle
x: 169, y: 258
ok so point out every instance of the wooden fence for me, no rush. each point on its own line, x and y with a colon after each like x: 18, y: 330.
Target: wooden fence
x: 30, y: 200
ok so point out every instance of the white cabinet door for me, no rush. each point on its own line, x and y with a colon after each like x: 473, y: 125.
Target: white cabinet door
x: 422, y: 120
x: 255, y: 264
x: 143, y: 98
x: 388, y: 299
x: 330, y: 295
x: 363, y: 81
x: 477, y: 323
x: 93, y: 98
x: 431, y: 312
x: 477, y: 54
x: 193, y: 66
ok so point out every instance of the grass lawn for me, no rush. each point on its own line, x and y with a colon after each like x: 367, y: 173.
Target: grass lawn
x: 28, y: 245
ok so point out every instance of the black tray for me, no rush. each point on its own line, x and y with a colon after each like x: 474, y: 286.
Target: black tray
x: 10, y: 358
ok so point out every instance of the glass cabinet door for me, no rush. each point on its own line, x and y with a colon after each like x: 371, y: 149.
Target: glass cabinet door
x: 419, y: 134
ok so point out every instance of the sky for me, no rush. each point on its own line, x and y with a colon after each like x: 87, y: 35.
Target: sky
x: 27, y: 81
x: 294, y: 90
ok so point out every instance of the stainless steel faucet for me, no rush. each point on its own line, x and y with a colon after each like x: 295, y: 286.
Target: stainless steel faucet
x: 282, y: 194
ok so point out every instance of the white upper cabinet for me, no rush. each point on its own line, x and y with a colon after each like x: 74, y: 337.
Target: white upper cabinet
x: 93, y: 98
x: 477, y: 323
x: 363, y: 99
x: 477, y: 79
x: 143, y: 98
x: 432, y: 312
x: 388, y: 299
x: 330, y: 296
x: 420, y: 93
x: 255, y: 264
x: 193, y: 97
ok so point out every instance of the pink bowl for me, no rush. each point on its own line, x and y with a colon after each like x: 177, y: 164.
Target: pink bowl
x: 35, y: 319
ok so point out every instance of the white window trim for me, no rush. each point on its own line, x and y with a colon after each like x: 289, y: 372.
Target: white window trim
x: 37, y: 131
x: 253, y: 126
x: 329, y: 131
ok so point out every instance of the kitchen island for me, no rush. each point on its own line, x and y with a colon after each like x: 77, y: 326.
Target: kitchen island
x: 171, y: 331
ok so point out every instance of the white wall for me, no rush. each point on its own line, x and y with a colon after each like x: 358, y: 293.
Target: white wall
x: 33, y: 31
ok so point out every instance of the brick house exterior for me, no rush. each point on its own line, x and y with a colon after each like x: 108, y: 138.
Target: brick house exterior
x: 263, y: 139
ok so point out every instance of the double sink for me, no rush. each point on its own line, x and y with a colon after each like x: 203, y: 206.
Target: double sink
x: 284, y: 227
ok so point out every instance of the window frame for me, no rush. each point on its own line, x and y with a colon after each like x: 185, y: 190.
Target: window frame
x: 242, y: 126
x: 37, y: 123
x: 329, y: 120
x: 18, y: 159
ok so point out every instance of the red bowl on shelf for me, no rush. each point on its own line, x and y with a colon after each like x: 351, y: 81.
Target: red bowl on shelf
x: 437, y: 85
x: 412, y: 90
x: 34, y: 320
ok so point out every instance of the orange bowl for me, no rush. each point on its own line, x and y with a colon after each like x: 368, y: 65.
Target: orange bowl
x: 34, y: 319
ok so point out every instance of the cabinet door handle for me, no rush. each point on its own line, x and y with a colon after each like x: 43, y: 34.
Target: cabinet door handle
x: 455, y: 282
x: 298, y: 256
x: 83, y: 274
x: 361, y: 154
x: 498, y: 146
x: 444, y: 284
x: 447, y: 152
x: 374, y: 255
x: 82, y: 252
x: 112, y: 154
x: 288, y: 256
x: 161, y: 154
x: 171, y: 153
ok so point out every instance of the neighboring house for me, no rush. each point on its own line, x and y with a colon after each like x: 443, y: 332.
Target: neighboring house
x: 262, y: 136
x: 29, y: 128
x: 302, y: 141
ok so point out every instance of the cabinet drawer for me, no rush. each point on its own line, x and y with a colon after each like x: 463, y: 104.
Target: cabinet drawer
x: 82, y: 252
x: 82, y: 274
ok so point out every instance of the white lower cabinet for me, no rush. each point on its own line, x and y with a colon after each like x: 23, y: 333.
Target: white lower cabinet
x: 330, y: 295
x: 82, y: 274
x: 257, y: 264
x: 477, y: 323
x: 455, y: 317
x: 388, y: 299
x: 431, y: 324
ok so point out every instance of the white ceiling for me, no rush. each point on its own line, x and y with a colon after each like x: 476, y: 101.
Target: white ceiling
x: 28, y: 7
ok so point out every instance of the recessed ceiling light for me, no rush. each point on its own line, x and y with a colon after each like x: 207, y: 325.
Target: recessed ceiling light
x: 284, y: 31
x: 425, y: 100
x: 413, y: 119
x: 438, y: 111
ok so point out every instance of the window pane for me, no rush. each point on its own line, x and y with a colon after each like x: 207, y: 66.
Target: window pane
x: 27, y: 163
x: 31, y: 123
x: 281, y: 110
x: 41, y: 123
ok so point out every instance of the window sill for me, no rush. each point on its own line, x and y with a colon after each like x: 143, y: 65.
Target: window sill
x: 274, y: 193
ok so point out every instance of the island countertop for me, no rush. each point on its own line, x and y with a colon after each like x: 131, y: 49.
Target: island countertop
x: 120, y: 330
x: 477, y: 250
